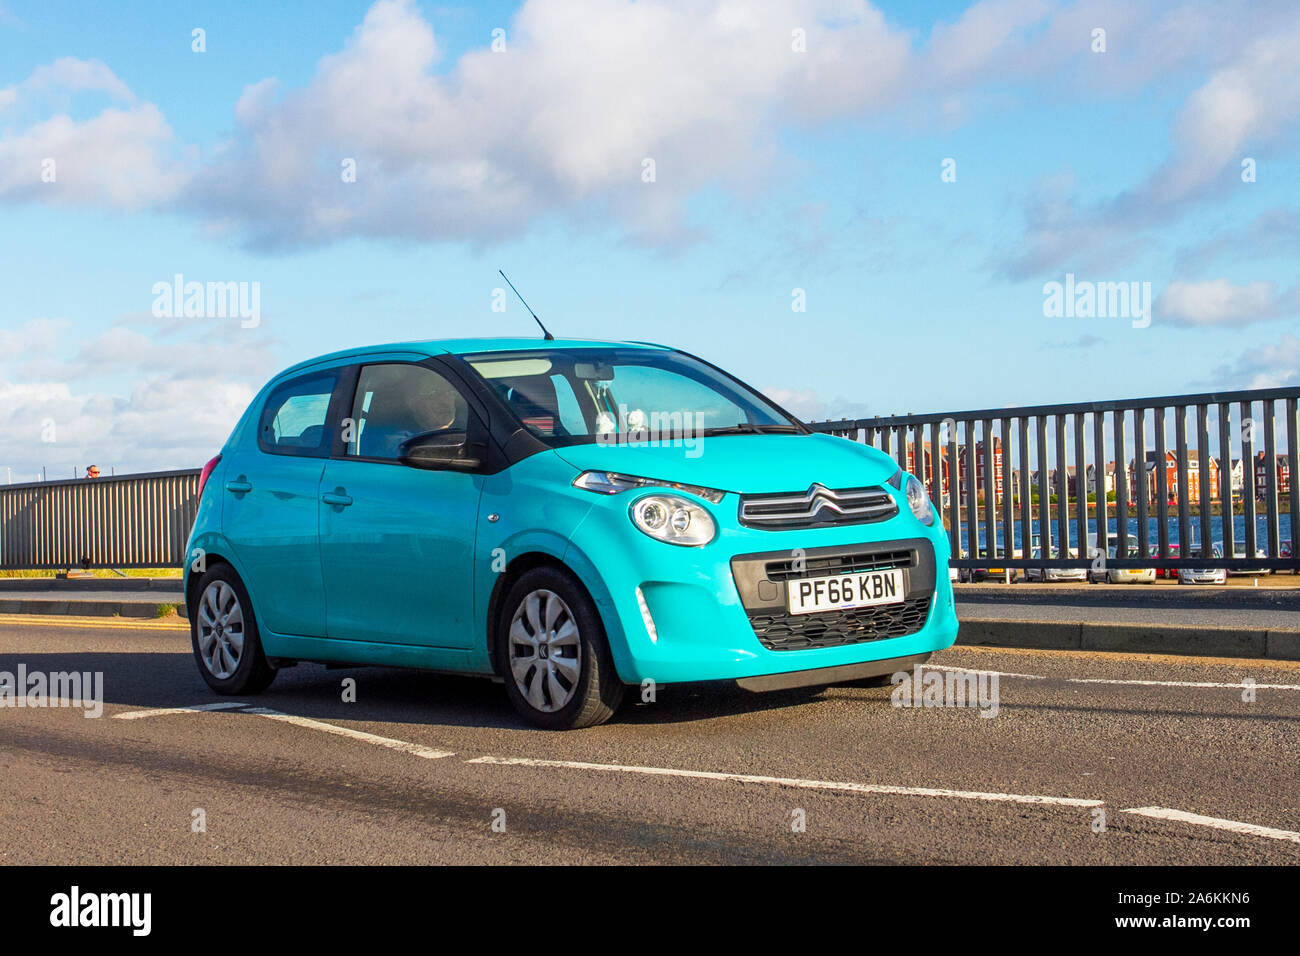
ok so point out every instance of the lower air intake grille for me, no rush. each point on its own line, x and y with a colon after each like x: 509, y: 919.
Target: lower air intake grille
x: 787, y: 570
x: 797, y: 632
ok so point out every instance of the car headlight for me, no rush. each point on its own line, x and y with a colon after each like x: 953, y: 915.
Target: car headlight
x: 919, y: 501
x: 613, y: 482
x: 673, y: 519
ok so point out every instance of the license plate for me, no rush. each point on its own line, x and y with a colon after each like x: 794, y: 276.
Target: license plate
x: 840, y: 592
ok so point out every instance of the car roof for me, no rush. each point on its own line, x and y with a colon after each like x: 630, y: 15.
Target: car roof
x: 432, y: 347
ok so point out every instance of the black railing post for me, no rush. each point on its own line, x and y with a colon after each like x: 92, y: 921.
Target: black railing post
x: 1225, y: 480
x: 1248, y: 489
x: 1162, y: 484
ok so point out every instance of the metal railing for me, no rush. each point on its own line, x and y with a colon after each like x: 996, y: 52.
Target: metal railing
x: 126, y: 521
x: 1058, y: 477
x: 1107, y: 475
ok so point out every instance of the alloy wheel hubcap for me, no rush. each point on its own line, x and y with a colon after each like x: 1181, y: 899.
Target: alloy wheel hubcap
x: 221, y: 630
x: 545, y: 651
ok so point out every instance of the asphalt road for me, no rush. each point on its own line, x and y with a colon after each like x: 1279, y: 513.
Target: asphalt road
x: 420, y: 767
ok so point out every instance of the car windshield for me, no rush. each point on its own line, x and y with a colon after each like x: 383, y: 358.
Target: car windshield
x: 574, y: 396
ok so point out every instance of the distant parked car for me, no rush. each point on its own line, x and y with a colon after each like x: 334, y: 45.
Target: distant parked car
x: 1259, y: 553
x: 988, y: 574
x: 1165, y: 572
x: 1056, y: 574
x: 1203, y: 575
x: 1124, y: 575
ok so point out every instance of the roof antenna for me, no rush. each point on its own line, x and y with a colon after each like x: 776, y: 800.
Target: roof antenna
x: 546, y: 335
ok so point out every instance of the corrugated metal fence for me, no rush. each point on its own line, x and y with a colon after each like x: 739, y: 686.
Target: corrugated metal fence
x: 127, y: 521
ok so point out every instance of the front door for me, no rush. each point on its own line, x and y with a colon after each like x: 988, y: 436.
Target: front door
x: 397, y: 542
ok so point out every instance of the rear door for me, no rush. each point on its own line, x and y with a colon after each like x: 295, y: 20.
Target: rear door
x: 271, y: 487
x: 397, y: 542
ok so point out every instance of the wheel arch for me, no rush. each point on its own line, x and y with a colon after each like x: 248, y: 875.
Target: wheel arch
x: 193, y: 578
x: 516, y: 569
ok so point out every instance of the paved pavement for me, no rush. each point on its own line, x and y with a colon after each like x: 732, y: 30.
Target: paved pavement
x: 101, y: 603
x: 420, y: 767
x: 1239, y: 617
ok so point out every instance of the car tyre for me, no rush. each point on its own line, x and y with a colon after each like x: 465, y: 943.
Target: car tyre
x: 224, y: 636
x: 553, y: 654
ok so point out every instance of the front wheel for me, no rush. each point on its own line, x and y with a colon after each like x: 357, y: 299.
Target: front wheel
x: 553, y: 654
x: 224, y: 636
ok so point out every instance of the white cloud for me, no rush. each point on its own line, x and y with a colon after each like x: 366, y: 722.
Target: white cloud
x: 1268, y: 366
x: 985, y: 32
x: 116, y: 159
x: 1242, y: 107
x: 36, y: 337
x: 71, y: 75
x: 1221, y: 302
x: 803, y: 403
x: 560, y: 122
x: 119, y: 157
x: 808, y: 405
x: 1249, y: 103
x: 159, y: 424
x: 124, y: 399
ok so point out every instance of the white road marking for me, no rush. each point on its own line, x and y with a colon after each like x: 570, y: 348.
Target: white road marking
x: 1233, y: 826
x: 190, y: 709
x: 417, y: 750
x: 429, y: 753
x: 1116, y: 680
x: 971, y: 670
x: 1181, y: 683
x: 793, y: 782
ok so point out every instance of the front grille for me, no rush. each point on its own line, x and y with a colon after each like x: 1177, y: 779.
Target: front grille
x: 818, y: 507
x: 796, y: 632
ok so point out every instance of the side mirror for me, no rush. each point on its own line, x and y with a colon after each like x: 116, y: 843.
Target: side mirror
x: 438, y: 451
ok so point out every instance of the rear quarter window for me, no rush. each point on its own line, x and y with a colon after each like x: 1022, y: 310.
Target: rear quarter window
x: 295, y: 418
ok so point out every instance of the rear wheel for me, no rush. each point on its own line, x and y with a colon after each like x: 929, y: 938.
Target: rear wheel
x: 223, y: 634
x: 553, y: 654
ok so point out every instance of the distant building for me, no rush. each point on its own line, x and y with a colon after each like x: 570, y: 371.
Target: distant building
x: 1151, y: 464
x: 1282, y: 471
x: 980, y: 468
x: 1091, y: 477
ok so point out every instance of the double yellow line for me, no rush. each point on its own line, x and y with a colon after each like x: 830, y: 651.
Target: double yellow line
x: 172, y: 624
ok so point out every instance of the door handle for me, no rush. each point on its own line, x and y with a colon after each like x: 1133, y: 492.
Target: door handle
x: 336, y: 498
x: 239, y: 486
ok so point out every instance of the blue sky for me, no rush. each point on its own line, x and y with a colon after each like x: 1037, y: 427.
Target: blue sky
x: 775, y: 170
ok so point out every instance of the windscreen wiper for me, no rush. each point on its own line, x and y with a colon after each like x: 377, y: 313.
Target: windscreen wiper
x: 748, y: 428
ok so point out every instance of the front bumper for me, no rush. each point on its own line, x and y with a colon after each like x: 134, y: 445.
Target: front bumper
x: 1066, y: 574
x: 1125, y: 576
x: 719, y: 611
